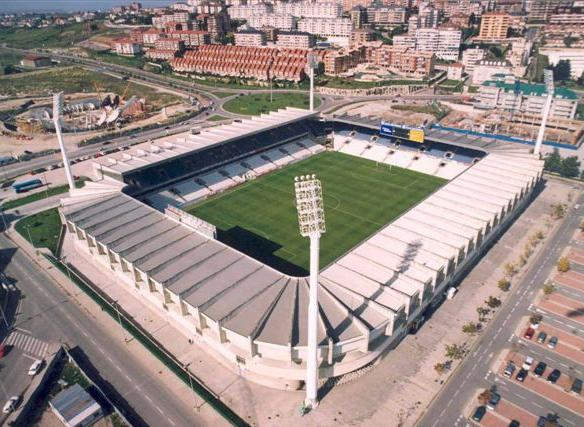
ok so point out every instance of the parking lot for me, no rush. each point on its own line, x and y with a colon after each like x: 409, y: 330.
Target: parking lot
x: 547, y: 357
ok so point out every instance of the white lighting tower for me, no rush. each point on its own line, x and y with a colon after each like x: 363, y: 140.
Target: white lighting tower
x: 548, y: 77
x: 57, y: 111
x: 311, y: 223
x: 312, y: 64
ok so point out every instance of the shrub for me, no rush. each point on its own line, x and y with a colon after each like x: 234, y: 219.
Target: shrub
x: 548, y: 288
x: 504, y: 284
x: 455, y: 351
x: 563, y: 264
x: 440, y: 368
x: 535, y: 319
x: 493, y: 302
x: 510, y: 269
x: 485, y: 396
x: 471, y: 328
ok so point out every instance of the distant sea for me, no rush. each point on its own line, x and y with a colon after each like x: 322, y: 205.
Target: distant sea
x: 20, y: 6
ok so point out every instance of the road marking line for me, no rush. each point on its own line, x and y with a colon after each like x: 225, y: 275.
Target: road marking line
x: 537, y: 404
x: 158, y: 409
x: 23, y: 330
x: 519, y: 396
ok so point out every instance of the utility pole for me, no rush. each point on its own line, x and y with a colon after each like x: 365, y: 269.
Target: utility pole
x: 311, y: 222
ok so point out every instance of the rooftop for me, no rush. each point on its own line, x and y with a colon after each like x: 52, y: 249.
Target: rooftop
x: 532, y: 89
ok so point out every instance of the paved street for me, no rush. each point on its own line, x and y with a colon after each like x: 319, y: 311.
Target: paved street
x: 47, y: 313
x: 473, y: 373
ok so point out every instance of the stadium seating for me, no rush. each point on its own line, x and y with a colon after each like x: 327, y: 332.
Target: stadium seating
x: 217, y: 182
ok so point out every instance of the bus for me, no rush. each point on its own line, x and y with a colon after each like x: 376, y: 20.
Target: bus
x: 21, y: 187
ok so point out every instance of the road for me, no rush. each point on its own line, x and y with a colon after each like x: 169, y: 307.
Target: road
x: 50, y: 314
x: 474, y: 372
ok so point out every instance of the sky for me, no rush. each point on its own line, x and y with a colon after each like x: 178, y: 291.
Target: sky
x: 12, y: 6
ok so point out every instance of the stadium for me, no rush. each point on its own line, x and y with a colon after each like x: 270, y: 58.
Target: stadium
x: 202, y: 226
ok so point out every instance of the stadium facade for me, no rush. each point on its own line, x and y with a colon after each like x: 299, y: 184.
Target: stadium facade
x: 253, y: 317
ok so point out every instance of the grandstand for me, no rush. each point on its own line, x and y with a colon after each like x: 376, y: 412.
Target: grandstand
x: 255, y: 316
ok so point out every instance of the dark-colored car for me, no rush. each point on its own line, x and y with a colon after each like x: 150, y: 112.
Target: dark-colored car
x: 541, y: 337
x: 514, y: 423
x: 554, y: 375
x: 521, y: 375
x: 541, y: 421
x: 576, y: 386
x: 479, y: 413
x: 509, y: 369
x: 529, y: 333
x: 553, y: 342
x: 494, y: 400
x: 540, y: 369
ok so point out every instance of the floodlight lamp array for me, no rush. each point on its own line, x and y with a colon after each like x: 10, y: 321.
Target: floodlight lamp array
x: 309, y: 205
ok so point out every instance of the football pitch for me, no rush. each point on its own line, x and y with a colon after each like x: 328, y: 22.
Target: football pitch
x: 360, y: 197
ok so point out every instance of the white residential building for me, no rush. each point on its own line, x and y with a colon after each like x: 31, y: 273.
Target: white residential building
x: 443, y: 42
x: 295, y: 40
x: 471, y: 57
x: 326, y: 27
x: 249, y: 38
x: 246, y: 11
x: 310, y: 10
x: 405, y: 40
x: 574, y: 55
x: 281, y: 22
x: 486, y: 70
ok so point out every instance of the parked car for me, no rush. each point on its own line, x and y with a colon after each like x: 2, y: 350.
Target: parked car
x: 529, y: 333
x: 541, y: 337
x: 576, y: 386
x: 36, y: 367
x: 554, y: 375
x: 528, y: 362
x: 521, y: 375
x: 494, y: 400
x: 11, y: 404
x: 553, y: 342
x: 479, y: 413
x: 509, y: 369
x: 514, y: 423
x: 540, y: 369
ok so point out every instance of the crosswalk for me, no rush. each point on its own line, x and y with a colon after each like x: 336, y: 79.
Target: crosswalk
x: 28, y: 344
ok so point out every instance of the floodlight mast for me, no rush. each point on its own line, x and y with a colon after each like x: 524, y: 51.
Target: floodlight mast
x: 312, y: 64
x: 57, y: 111
x: 549, y: 82
x: 311, y: 222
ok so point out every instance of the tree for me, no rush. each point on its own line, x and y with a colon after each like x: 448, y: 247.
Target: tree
x: 493, y: 302
x: 510, y: 269
x: 471, y: 328
x: 504, y: 284
x: 548, y: 288
x: 570, y: 167
x: 454, y: 351
x: 563, y: 264
x: 553, y: 162
x: 440, y: 368
x: 558, y: 210
x: 568, y: 40
x: 485, y: 396
x: 482, y: 312
x: 562, y: 70
x: 535, y: 319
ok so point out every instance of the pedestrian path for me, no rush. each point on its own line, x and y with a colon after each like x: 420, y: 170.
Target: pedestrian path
x: 28, y: 344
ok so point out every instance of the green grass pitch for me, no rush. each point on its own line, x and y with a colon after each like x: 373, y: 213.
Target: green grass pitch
x: 360, y: 196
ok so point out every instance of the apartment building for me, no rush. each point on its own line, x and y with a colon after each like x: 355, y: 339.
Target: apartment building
x: 244, y: 12
x: 326, y: 27
x: 427, y: 17
x: 162, y: 20
x: 386, y: 15
x: 360, y: 37
x: 486, y: 70
x: 190, y: 37
x: 574, y: 55
x: 526, y: 98
x: 310, y: 10
x: 295, y: 40
x: 127, y: 47
x: 494, y: 26
x: 340, y: 61
x: 350, y: 4
x: 249, y: 38
x: 405, y: 40
x: 567, y: 19
x: 150, y: 36
x: 161, y: 54
x: 281, y: 22
x: 404, y: 61
x: 471, y: 57
x: 170, y: 44
x: 443, y: 42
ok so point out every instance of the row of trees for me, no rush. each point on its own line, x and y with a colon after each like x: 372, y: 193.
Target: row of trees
x: 568, y: 167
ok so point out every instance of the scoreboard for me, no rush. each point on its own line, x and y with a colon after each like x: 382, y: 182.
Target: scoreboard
x: 404, y: 132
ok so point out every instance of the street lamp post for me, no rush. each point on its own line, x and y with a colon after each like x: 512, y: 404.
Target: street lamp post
x: 311, y: 223
x: 115, y: 304
x: 29, y: 236
x: 186, y: 367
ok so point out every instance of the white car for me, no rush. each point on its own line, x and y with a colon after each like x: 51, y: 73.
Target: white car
x: 11, y: 404
x: 35, y: 367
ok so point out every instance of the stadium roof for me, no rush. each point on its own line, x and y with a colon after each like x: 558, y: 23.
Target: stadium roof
x: 186, y: 143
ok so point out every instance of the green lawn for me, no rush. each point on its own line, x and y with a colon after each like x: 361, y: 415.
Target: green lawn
x: 76, y: 80
x: 15, y: 203
x: 217, y: 118
x: 258, y: 103
x: 349, y: 83
x: 44, y: 228
x: 259, y: 217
